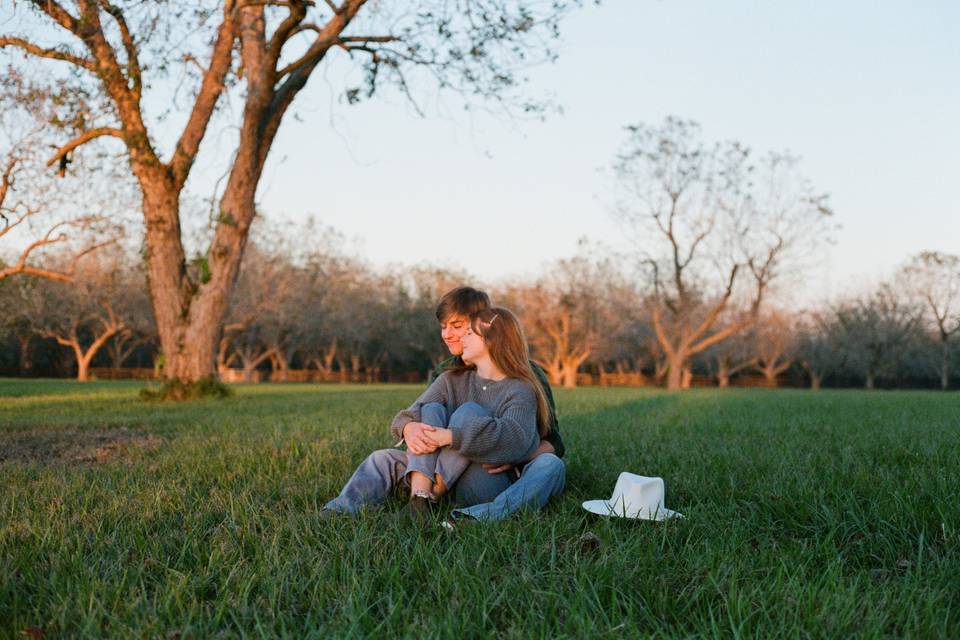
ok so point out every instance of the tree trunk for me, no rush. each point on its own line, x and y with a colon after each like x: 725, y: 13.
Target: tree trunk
x: 870, y: 381
x: 83, y: 368
x: 815, y: 381
x: 687, y: 380
x: 569, y: 376
x: 660, y: 368
x: 723, y: 376
x: 554, y: 372
x: 26, y: 362
x: 189, y: 314
x: 675, y: 367
x: 770, y: 377
x: 945, y: 369
x: 279, y: 365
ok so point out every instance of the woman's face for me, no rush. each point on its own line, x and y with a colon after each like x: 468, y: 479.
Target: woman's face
x: 474, y: 348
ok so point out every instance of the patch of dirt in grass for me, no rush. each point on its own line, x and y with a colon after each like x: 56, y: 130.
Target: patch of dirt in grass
x: 74, y: 447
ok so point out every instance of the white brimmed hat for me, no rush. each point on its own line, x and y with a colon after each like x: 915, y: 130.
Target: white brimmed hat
x: 636, y: 497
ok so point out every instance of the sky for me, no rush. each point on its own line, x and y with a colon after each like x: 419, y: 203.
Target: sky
x: 867, y: 93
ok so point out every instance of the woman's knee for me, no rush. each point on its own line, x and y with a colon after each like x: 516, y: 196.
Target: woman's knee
x: 468, y: 410
x: 548, y: 466
x: 551, y: 462
x: 433, y: 414
x: 477, y: 486
x: 385, y: 457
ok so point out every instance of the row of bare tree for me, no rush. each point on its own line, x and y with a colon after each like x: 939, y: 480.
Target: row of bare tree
x: 325, y: 311
x: 116, y: 99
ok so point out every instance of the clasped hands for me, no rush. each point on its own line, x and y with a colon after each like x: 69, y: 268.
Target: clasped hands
x: 422, y: 439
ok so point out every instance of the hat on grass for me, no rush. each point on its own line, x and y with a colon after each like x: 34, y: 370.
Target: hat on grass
x: 636, y: 497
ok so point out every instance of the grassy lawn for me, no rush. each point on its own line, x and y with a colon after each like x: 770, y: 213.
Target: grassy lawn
x: 825, y: 514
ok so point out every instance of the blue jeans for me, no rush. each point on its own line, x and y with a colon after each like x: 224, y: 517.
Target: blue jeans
x: 542, y: 478
x: 386, y: 469
x: 492, y: 495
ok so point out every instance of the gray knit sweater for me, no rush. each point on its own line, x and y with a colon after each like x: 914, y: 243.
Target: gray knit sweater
x: 508, y: 436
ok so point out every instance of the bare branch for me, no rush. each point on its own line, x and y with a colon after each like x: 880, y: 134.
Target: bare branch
x: 21, y: 265
x: 83, y: 138
x: 53, y: 236
x: 327, y: 37
x: 53, y: 54
x: 712, y: 316
x: 133, y: 62
x: 6, y: 183
x: 298, y: 11
x: 211, y: 87
x: 56, y: 11
x: 348, y: 39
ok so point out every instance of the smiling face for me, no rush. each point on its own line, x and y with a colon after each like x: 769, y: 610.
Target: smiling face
x: 452, y: 330
x: 473, y: 348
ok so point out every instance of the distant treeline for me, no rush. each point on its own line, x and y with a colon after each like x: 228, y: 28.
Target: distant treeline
x: 321, y: 315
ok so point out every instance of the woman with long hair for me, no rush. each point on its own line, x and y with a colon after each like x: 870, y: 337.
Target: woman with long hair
x: 490, y: 410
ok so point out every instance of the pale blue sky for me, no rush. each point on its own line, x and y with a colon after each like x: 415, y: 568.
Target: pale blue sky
x: 868, y: 93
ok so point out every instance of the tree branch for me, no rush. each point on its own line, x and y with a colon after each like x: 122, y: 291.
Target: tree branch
x: 21, y: 266
x: 5, y: 184
x: 62, y: 17
x: 84, y: 138
x: 53, y: 54
x: 714, y: 314
x: 133, y: 63
x: 327, y: 37
x: 720, y: 336
x: 211, y: 87
x: 298, y: 11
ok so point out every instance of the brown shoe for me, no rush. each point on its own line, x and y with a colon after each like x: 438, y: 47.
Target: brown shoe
x: 419, y: 510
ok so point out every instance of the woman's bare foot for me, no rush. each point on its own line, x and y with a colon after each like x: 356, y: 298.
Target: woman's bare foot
x: 420, y: 484
x: 439, y: 486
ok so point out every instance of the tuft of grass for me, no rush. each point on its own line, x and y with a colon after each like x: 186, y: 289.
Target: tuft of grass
x: 176, y: 390
x: 807, y: 515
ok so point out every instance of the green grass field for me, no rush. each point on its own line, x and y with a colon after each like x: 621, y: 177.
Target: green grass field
x: 827, y: 514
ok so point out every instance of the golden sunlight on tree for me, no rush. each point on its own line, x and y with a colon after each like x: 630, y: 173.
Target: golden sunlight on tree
x: 712, y: 230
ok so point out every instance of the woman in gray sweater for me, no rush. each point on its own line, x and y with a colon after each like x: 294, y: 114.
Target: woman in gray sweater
x: 490, y: 410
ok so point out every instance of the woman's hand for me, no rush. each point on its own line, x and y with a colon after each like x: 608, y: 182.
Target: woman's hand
x: 497, y: 468
x: 415, y: 434
x: 440, y: 438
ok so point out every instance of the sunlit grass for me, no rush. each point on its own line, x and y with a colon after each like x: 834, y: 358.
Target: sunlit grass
x: 824, y: 515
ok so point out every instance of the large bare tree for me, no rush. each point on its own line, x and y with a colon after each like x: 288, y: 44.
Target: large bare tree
x: 86, y: 314
x: 712, y: 230
x: 567, y: 313
x: 263, y: 52
x: 877, y: 332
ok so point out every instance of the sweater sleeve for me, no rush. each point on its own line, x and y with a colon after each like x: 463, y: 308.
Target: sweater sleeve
x: 554, y: 436
x: 509, y: 436
x: 439, y: 391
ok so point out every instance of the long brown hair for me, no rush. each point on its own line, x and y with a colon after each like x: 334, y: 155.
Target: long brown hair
x: 503, y: 335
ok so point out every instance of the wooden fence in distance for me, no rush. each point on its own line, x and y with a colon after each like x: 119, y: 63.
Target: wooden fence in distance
x: 623, y: 379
